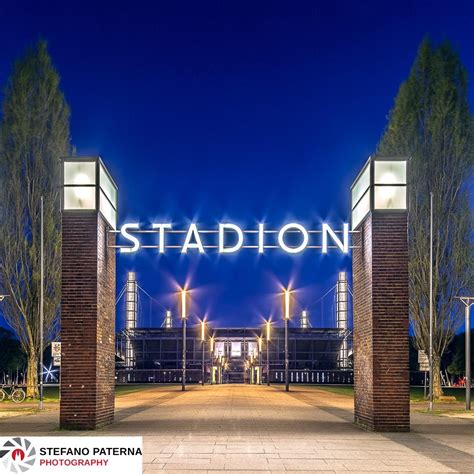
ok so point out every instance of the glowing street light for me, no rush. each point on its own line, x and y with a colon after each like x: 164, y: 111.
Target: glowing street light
x: 183, y: 304
x: 287, y: 294
x: 183, y: 321
x: 287, y: 304
x: 267, y: 331
x: 203, y: 339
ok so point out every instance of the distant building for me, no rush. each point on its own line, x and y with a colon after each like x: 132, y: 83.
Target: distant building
x: 233, y: 356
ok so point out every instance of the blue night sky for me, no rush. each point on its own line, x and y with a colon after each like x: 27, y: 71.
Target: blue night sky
x: 248, y: 112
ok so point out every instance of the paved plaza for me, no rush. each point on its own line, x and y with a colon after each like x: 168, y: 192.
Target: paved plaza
x: 258, y: 428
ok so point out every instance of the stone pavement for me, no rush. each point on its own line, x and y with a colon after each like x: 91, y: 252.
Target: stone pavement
x: 264, y: 429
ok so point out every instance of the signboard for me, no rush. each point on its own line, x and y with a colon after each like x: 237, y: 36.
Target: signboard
x: 423, y: 361
x: 230, y: 238
x: 56, y: 353
x: 56, y: 349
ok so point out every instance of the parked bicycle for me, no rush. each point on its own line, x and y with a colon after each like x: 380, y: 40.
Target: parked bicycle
x: 13, y: 393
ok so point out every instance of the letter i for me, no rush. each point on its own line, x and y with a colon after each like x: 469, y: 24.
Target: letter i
x: 260, y: 237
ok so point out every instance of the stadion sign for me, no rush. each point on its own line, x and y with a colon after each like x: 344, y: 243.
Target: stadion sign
x: 229, y: 238
x: 87, y: 185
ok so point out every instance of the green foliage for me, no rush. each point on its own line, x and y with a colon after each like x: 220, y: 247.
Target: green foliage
x: 431, y: 123
x: 34, y: 135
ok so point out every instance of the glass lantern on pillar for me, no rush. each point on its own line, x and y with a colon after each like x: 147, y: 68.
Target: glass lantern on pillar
x: 88, y: 186
x: 380, y: 186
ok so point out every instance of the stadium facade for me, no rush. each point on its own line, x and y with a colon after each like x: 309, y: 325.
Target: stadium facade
x: 234, y: 355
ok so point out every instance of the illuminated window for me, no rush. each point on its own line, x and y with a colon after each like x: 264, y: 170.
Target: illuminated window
x: 219, y: 348
x: 85, y: 180
x: 236, y: 349
x: 381, y: 185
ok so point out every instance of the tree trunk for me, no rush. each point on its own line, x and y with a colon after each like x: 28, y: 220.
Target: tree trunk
x: 32, y: 376
x: 437, y: 389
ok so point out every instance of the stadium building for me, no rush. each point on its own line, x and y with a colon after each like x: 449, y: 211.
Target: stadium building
x: 235, y: 355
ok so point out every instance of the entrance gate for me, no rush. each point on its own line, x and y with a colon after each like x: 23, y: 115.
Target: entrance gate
x: 380, y: 282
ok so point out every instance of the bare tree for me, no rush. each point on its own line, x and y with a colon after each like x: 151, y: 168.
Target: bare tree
x: 34, y: 135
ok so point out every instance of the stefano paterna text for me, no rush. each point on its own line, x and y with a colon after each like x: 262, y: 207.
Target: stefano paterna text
x: 99, y: 451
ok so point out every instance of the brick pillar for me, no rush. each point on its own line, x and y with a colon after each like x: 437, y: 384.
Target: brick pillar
x: 87, y: 321
x: 380, y: 281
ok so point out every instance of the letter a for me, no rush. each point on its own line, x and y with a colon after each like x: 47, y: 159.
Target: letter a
x: 192, y: 232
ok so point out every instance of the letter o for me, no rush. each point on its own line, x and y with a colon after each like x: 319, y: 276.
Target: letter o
x: 281, y: 238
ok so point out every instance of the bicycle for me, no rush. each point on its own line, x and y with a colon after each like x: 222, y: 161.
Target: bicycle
x: 16, y: 394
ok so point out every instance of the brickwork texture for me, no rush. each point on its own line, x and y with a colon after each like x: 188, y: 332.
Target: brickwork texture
x: 87, y: 322
x: 380, y: 283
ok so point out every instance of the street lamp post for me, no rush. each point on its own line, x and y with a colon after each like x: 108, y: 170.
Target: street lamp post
x: 468, y: 356
x: 203, y: 339
x: 267, y: 324
x: 224, y: 368
x: 287, y: 318
x: 211, y: 350
x: 468, y: 301
x: 431, y: 305
x: 260, y: 360
x: 41, y: 304
x: 183, y: 320
x: 251, y: 370
x: 220, y: 368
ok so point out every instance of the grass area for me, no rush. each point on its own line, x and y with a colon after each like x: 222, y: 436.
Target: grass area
x: 416, y: 393
x: 346, y: 390
x: 51, y: 394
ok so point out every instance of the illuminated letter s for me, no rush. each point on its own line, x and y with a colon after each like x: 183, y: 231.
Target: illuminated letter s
x: 131, y: 238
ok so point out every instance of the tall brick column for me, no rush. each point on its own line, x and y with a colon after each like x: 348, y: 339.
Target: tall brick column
x: 87, y: 321
x: 380, y: 283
